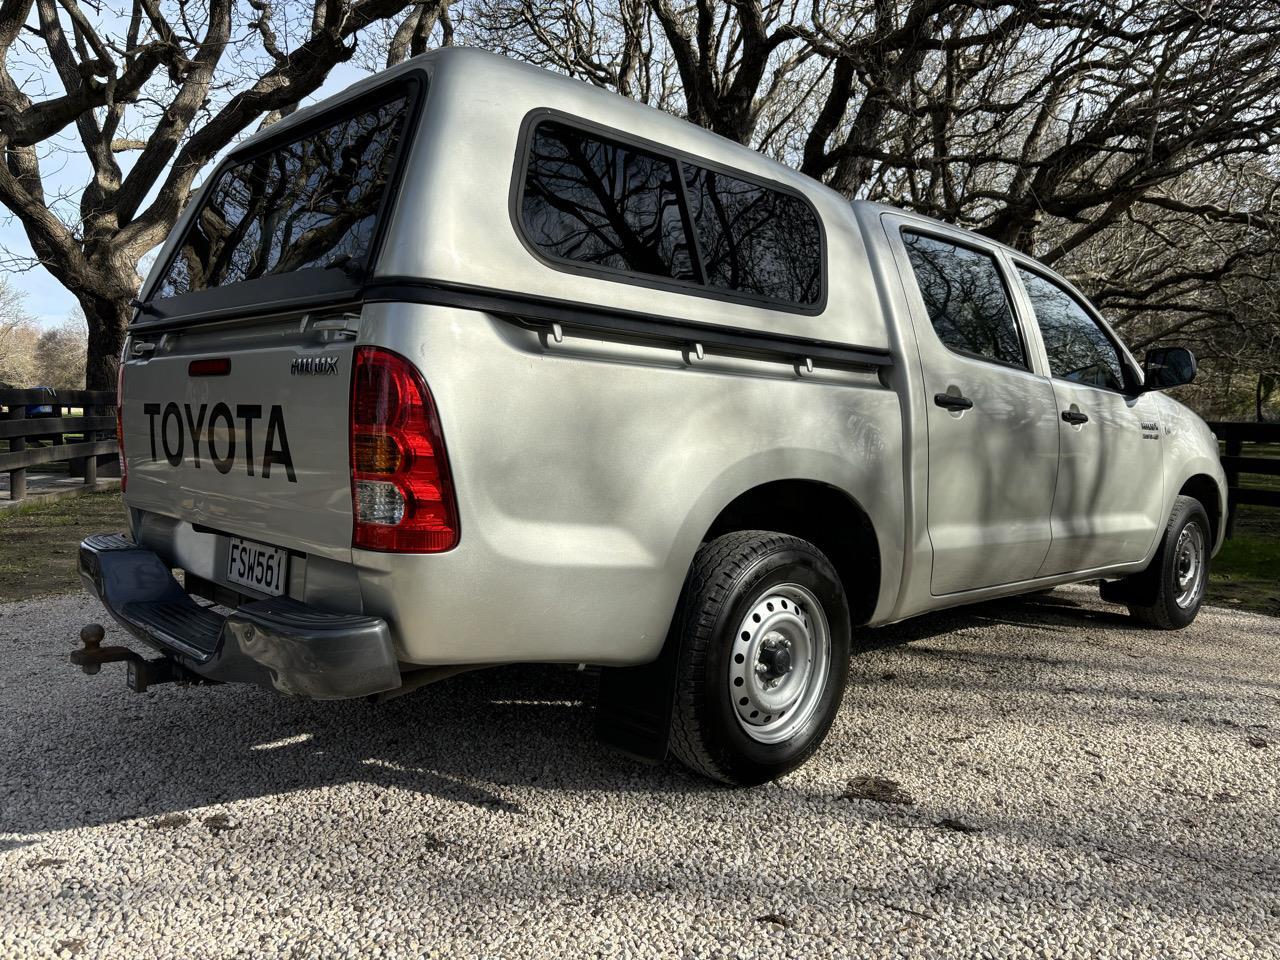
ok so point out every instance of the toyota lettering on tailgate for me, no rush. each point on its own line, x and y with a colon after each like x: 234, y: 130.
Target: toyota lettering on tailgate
x: 176, y: 423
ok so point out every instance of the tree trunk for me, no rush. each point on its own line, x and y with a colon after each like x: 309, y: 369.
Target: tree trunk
x: 107, y: 317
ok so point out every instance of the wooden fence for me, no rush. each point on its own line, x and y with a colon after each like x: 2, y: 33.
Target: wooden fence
x: 1234, y: 437
x: 36, y: 437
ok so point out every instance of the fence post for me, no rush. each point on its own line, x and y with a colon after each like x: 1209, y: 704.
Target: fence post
x: 17, y: 477
x: 90, y: 467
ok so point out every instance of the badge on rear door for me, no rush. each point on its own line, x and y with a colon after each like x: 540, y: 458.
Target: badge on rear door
x: 313, y: 366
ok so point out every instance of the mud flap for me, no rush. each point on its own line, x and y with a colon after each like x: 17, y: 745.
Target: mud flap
x: 1139, y: 588
x: 633, y: 708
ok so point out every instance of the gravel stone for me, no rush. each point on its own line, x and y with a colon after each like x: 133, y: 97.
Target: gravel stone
x: 1124, y: 808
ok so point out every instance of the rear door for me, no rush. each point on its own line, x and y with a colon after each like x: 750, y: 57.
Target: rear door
x: 244, y: 430
x: 1109, y: 503
x: 992, y: 418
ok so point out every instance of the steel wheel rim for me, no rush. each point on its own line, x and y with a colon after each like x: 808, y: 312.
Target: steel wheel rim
x: 778, y: 663
x: 1189, y: 566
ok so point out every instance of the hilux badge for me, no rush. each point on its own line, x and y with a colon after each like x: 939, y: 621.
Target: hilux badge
x: 313, y: 366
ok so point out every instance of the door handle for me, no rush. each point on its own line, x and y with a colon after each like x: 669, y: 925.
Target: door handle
x: 1075, y: 417
x: 952, y: 401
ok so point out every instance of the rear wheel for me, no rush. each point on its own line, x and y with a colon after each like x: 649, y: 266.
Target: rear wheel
x: 764, y: 655
x: 1168, y: 594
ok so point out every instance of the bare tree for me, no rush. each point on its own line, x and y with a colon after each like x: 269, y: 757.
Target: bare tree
x: 1130, y: 143
x: 18, y: 335
x: 168, y: 86
x: 59, y: 355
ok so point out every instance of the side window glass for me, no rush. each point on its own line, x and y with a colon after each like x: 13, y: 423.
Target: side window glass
x: 966, y: 299
x: 594, y: 201
x: 755, y: 240
x: 1077, y: 347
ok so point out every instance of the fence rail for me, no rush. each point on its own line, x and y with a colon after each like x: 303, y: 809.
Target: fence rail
x: 1234, y: 437
x: 38, y: 432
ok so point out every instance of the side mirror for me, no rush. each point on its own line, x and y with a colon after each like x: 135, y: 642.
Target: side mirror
x: 1167, y: 367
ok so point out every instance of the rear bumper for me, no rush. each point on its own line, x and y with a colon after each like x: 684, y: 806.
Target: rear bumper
x: 279, y: 643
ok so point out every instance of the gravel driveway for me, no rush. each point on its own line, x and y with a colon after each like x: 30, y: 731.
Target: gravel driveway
x: 1025, y: 778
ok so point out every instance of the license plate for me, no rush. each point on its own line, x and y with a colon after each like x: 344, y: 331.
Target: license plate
x: 263, y: 568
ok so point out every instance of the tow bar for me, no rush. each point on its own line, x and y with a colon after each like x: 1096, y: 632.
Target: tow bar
x: 143, y: 673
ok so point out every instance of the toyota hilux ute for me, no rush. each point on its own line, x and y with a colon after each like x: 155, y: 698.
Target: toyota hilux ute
x: 475, y: 364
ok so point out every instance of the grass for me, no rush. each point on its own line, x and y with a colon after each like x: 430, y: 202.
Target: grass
x: 38, y: 551
x: 1246, y: 573
x: 38, y: 542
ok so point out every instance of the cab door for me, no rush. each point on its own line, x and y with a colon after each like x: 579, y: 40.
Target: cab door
x: 1109, y: 504
x: 991, y: 417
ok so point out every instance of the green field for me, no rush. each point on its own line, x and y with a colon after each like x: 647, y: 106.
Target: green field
x: 38, y: 542
x: 1247, y: 571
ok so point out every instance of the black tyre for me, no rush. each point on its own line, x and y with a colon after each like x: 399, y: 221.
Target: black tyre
x: 1168, y: 594
x: 765, y: 638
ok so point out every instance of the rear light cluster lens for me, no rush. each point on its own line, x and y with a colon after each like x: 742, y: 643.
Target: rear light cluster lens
x: 401, y: 491
x: 124, y: 464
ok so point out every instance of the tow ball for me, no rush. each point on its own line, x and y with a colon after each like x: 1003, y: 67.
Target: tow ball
x: 142, y: 673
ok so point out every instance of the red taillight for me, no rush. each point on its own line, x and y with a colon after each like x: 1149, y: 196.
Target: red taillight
x: 124, y: 465
x: 401, y: 491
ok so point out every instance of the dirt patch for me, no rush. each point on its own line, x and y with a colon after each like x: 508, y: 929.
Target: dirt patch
x: 878, y: 789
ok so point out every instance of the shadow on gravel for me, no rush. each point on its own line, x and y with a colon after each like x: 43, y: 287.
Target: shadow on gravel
x: 99, y: 754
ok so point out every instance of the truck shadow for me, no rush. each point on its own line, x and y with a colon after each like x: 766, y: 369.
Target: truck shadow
x: 490, y: 739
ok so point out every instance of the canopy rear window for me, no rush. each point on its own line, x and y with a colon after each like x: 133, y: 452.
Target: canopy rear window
x: 304, y: 205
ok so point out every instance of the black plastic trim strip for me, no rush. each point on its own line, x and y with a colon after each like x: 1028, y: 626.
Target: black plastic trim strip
x: 535, y: 312
x: 542, y: 312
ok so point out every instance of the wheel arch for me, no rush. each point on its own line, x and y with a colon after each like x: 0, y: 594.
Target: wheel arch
x: 824, y: 515
x: 1205, y: 488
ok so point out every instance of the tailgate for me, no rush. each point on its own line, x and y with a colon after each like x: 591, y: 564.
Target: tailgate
x: 244, y: 429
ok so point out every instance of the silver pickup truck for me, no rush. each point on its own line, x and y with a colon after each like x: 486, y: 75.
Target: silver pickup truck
x: 476, y: 364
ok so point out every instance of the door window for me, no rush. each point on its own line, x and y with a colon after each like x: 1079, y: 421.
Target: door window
x: 966, y: 299
x: 1078, y: 349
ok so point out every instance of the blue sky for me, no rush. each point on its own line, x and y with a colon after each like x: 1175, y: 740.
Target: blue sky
x: 66, y: 169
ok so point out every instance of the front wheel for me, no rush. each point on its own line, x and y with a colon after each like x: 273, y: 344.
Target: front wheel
x: 1172, y: 588
x: 765, y: 639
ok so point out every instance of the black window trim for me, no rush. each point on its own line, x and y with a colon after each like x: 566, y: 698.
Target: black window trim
x: 1131, y: 385
x: 292, y: 288
x: 524, y: 144
x: 993, y: 254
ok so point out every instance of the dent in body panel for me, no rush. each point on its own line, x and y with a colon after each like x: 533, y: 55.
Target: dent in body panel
x: 587, y: 473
